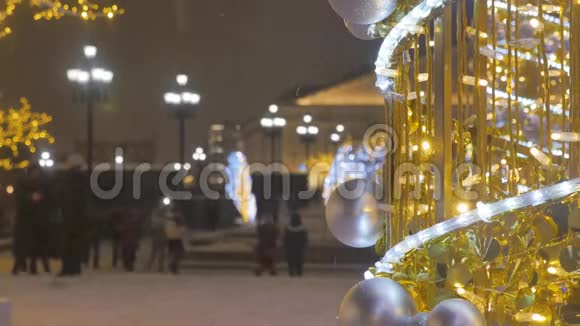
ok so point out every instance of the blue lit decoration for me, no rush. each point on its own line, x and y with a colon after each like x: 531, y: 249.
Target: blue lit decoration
x: 351, y: 162
x: 239, y: 186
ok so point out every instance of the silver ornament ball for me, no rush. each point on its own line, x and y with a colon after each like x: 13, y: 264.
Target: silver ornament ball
x: 352, y: 214
x: 419, y: 319
x: 364, y: 11
x: 362, y: 32
x: 376, y: 302
x: 455, y: 312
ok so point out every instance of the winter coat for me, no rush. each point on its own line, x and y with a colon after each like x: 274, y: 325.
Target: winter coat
x: 267, y: 238
x: 73, y: 196
x: 295, y: 240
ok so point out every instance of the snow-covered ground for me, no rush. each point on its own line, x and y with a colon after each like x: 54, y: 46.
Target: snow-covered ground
x: 199, y: 298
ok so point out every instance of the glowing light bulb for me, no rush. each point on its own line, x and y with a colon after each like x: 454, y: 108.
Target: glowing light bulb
x: 535, y: 23
x: 182, y: 79
x: 462, y: 208
x: 566, y: 136
x: 538, y: 317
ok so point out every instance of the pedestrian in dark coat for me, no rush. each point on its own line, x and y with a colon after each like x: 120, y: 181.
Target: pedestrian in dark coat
x: 32, y: 227
x: 295, y: 240
x: 116, y: 226
x: 73, y: 196
x: 266, y: 247
x: 174, y: 226
x: 130, y: 233
x: 157, y: 233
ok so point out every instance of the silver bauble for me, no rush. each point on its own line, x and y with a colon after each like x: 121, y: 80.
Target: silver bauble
x: 376, y: 302
x: 455, y: 312
x: 362, y: 32
x: 418, y: 320
x: 364, y: 11
x: 352, y: 214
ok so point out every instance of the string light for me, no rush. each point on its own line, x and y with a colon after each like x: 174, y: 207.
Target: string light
x: 56, y: 9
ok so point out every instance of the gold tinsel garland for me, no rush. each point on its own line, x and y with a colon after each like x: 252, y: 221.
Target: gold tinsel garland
x: 516, y: 270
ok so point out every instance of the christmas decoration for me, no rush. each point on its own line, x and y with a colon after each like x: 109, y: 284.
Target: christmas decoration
x: 352, y: 215
x: 20, y: 131
x: 487, y: 117
x: 239, y: 186
x: 56, y: 9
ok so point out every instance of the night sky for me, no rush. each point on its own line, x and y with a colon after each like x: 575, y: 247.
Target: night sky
x: 240, y: 55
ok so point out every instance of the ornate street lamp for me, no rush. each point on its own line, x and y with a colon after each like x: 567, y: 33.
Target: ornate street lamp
x: 273, y: 125
x: 336, y: 137
x: 91, y: 84
x: 307, y: 134
x: 182, y: 104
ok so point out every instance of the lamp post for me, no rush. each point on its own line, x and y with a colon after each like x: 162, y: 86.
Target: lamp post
x: 199, y: 157
x: 45, y: 160
x: 182, y: 104
x: 91, y: 88
x: 336, y: 137
x: 307, y: 134
x: 273, y: 125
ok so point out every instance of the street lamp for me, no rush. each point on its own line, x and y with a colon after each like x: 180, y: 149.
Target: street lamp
x: 199, y: 155
x: 182, y: 104
x: 273, y: 125
x: 119, y: 156
x: 307, y: 134
x: 336, y: 136
x: 45, y: 160
x: 91, y: 87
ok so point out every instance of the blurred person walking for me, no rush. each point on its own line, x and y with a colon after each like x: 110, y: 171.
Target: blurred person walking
x: 295, y: 240
x: 32, y: 225
x: 73, y: 197
x: 116, y: 224
x: 130, y: 232
x: 266, y: 247
x: 174, y: 231
x: 159, y: 243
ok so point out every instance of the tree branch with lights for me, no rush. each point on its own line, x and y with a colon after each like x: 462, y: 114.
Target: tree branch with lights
x: 55, y: 9
x: 20, y: 132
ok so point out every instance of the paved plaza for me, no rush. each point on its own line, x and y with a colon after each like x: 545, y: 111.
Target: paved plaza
x: 200, y: 298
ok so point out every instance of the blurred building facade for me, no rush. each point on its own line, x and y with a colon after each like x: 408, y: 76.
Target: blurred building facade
x: 353, y: 103
x: 223, y: 138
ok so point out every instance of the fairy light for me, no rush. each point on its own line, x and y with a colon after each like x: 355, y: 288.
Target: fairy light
x: 542, y: 157
x: 57, y: 9
x: 566, y: 136
x: 462, y: 208
x: 485, y: 213
x: 552, y: 270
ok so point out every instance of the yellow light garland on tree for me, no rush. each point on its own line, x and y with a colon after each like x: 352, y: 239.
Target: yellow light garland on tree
x: 20, y: 131
x: 56, y: 9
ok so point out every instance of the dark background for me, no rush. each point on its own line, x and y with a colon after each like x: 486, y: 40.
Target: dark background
x: 240, y: 56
